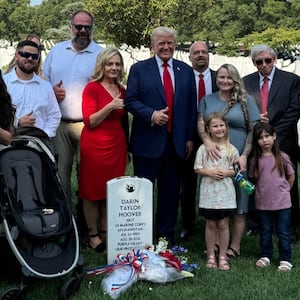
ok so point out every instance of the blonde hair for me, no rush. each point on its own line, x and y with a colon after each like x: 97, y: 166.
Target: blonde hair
x: 238, y: 93
x: 220, y: 116
x: 102, y: 58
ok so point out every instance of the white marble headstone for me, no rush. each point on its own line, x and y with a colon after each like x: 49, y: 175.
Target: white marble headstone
x: 129, y: 215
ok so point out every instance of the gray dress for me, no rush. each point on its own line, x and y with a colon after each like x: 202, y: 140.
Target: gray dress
x: 237, y: 130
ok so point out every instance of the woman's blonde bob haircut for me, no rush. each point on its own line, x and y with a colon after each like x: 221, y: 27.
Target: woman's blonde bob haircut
x: 102, y: 59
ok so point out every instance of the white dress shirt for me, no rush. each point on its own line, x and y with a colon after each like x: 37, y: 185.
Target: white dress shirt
x: 35, y: 95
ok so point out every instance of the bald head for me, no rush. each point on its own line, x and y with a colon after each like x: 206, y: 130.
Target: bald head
x: 199, y: 56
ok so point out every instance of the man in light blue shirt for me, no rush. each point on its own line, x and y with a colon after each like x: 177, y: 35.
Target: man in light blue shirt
x: 69, y: 66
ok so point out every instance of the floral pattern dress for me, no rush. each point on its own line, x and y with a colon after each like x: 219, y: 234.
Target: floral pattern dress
x: 216, y: 194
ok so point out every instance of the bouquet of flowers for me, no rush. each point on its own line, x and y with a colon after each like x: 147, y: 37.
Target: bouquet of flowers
x: 154, y: 263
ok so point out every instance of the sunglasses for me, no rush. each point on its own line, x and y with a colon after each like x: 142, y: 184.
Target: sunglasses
x: 259, y: 62
x: 34, y: 56
x: 86, y: 27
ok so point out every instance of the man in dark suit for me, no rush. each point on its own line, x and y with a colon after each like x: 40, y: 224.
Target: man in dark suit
x: 162, y: 129
x: 282, y: 109
x: 199, y: 57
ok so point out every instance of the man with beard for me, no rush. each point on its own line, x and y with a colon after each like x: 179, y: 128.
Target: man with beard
x: 32, y: 96
x: 199, y: 58
x: 69, y: 66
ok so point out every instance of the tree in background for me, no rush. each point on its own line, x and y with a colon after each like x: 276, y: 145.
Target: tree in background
x: 225, y: 24
x: 130, y: 21
x: 54, y: 18
x: 15, y: 19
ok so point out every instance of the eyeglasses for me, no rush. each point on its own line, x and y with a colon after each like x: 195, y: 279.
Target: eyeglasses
x: 259, y: 62
x: 34, y: 56
x: 79, y: 27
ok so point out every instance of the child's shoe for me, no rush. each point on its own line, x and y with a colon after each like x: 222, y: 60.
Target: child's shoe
x: 284, y: 266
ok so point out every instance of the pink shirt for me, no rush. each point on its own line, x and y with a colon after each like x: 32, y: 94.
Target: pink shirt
x: 272, y: 191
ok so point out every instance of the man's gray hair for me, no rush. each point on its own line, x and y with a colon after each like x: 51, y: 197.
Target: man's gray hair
x: 162, y: 30
x: 261, y: 48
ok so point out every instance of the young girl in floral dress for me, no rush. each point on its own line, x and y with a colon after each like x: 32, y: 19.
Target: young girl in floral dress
x: 217, y: 192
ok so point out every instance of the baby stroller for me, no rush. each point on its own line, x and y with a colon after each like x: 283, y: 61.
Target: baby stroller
x: 35, y: 215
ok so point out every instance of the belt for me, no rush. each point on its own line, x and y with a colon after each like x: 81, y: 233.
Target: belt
x: 70, y: 121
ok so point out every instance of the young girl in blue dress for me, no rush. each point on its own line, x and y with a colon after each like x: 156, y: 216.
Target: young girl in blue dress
x: 272, y: 172
x: 217, y: 192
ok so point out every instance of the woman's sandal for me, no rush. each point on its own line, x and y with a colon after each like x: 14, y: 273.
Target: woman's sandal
x: 223, y: 263
x: 232, y: 253
x: 284, y: 266
x: 100, y: 247
x: 211, y: 262
x: 263, y: 262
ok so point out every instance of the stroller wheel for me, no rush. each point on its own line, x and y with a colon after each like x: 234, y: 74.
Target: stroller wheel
x: 13, y: 293
x: 69, y: 288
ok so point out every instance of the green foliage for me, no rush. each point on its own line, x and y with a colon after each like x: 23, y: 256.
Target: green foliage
x: 226, y: 23
x: 280, y: 39
x: 15, y: 19
x: 130, y: 21
x: 56, y: 14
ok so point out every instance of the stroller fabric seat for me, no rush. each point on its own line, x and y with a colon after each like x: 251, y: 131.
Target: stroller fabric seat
x: 35, y: 208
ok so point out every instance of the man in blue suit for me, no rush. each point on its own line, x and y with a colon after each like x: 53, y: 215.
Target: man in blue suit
x: 161, y: 136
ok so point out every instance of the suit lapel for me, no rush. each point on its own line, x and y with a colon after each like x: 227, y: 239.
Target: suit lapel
x: 176, y: 70
x: 255, y: 87
x: 214, y: 81
x: 154, y: 71
x: 274, y: 87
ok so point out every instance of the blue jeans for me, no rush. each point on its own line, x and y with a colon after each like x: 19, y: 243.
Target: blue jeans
x: 281, y: 219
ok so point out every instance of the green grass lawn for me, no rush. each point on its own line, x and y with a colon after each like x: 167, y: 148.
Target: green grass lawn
x: 243, y: 281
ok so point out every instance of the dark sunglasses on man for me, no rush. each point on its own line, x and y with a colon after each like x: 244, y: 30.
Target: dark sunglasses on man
x: 25, y: 54
x: 86, y: 27
x: 267, y: 61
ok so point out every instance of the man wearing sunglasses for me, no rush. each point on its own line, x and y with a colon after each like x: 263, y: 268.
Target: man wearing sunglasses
x: 69, y: 66
x: 276, y: 93
x: 32, y: 96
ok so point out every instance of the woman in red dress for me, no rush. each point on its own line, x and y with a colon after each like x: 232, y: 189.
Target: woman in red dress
x: 103, y: 144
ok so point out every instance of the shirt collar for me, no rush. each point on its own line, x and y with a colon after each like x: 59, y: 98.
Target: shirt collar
x: 89, y: 48
x: 14, y: 77
x: 160, y: 62
x: 270, y: 77
x: 205, y: 73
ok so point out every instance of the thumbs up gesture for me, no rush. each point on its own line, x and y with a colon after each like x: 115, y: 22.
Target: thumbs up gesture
x: 59, y: 91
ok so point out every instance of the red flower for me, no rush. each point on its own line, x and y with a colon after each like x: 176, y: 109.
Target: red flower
x: 171, y: 260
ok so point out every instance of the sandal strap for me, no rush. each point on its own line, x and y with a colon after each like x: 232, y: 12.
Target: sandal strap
x: 223, y: 263
x: 211, y: 262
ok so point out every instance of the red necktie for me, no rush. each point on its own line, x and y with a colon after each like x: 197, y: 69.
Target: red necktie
x: 201, y: 87
x: 264, y: 94
x: 168, y: 87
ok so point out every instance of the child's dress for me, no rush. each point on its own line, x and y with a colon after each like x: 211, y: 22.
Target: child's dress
x: 216, y: 194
